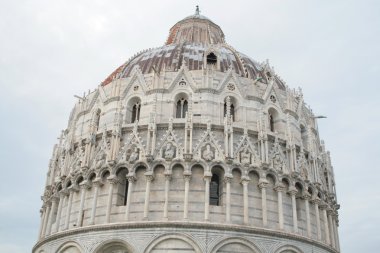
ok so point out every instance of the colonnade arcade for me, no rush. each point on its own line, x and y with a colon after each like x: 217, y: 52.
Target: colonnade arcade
x: 248, y: 196
x: 182, y: 242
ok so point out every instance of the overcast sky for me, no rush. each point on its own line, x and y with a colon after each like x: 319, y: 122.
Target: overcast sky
x: 52, y: 50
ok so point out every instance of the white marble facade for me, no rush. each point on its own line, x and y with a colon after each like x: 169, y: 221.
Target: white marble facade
x: 190, y: 147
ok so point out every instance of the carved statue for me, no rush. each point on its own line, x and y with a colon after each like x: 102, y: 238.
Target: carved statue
x: 245, y: 157
x: 302, y: 166
x: 208, y: 154
x: 277, y: 161
x: 100, y: 160
x: 169, y: 151
x: 78, y: 165
x: 134, y: 155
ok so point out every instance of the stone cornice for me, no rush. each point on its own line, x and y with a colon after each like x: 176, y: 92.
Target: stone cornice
x: 188, y: 225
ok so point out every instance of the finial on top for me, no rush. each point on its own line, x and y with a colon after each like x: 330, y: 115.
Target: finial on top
x: 197, y: 11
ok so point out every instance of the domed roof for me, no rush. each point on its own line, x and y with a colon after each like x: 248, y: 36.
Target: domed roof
x: 189, y: 42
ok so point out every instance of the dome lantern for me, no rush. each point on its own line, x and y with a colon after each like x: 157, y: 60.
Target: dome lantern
x: 197, y: 29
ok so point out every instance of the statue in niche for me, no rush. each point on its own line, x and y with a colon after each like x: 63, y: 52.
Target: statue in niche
x: 245, y: 157
x: 100, y: 160
x: 208, y: 154
x: 278, y: 162
x: 169, y: 151
x: 302, y: 166
x: 134, y: 155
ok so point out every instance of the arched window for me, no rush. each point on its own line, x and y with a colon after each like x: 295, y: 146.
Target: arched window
x: 105, y: 175
x: 304, y: 136
x: 181, y: 108
x: 271, y: 122
x: 126, y: 192
x: 299, y: 206
x: 274, y: 122
x: 214, y: 190
x: 326, y: 174
x: 97, y: 120
x: 122, y: 187
x: 211, y: 58
x: 135, y: 112
x: 232, y: 110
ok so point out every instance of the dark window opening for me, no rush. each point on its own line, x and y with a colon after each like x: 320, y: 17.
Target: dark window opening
x: 181, y: 109
x: 126, y: 192
x: 92, y: 177
x: 232, y: 111
x: 97, y: 121
x: 214, y: 190
x: 211, y: 58
x: 105, y: 175
x: 271, y: 122
x: 135, y: 113
x: 327, y: 179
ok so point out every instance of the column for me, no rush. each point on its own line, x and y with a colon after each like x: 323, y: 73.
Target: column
x: 149, y: 179
x: 131, y: 181
x: 245, y: 181
x: 51, y: 216
x: 293, y: 191
x: 112, y: 182
x: 227, y: 180
x: 335, y: 223
x: 207, y: 179
x: 280, y: 188
x: 97, y: 183
x: 187, y: 178
x: 331, y: 231
x: 83, y: 188
x: 306, y: 197
x: 263, y: 184
x: 316, y: 203
x: 62, y: 195
x: 266, y: 149
x: 69, y: 204
x: 168, y: 177
x: 45, y: 218
x: 324, y: 213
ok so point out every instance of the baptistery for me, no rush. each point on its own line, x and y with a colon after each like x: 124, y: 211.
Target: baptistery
x: 190, y: 147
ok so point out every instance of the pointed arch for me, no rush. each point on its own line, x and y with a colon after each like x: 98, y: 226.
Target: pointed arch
x: 133, y: 110
x: 274, y: 120
x: 231, y: 109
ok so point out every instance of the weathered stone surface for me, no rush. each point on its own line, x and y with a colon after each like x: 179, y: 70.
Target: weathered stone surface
x: 194, y: 153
